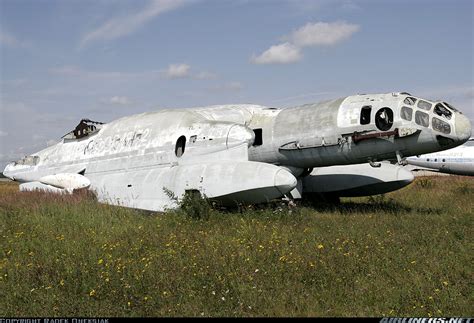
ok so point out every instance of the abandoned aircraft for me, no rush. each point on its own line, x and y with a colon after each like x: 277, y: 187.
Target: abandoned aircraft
x: 246, y: 153
x: 459, y: 160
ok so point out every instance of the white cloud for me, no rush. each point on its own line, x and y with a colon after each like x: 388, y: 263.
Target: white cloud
x: 8, y: 40
x: 227, y: 87
x: 51, y: 142
x: 322, y: 34
x: 279, y: 54
x: 121, y: 26
x: 298, y: 98
x: 178, y: 71
x: 3, y: 133
x: 13, y: 83
x: 311, y: 34
x: 37, y: 137
x: 118, y: 100
x: 75, y: 71
x: 234, y: 86
x: 205, y: 76
x: 175, y: 71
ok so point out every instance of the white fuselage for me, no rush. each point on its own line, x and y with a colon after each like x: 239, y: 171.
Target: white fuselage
x: 459, y: 160
x: 244, y: 153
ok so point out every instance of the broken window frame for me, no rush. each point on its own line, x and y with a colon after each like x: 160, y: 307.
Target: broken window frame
x: 85, y: 128
x: 409, y: 100
x: 451, y: 107
x: 442, y: 111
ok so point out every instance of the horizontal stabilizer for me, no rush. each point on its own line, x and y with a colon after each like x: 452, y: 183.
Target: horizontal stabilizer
x: 37, y: 186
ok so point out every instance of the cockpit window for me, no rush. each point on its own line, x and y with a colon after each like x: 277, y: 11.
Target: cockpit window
x: 365, y: 114
x: 409, y: 100
x: 424, y: 105
x: 451, y: 107
x: 422, y: 119
x: 406, y: 113
x: 85, y: 128
x: 442, y: 111
x: 28, y: 161
x: 440, y: 125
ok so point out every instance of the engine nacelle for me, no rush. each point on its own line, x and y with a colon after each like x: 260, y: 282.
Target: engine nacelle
x: 357, y: 180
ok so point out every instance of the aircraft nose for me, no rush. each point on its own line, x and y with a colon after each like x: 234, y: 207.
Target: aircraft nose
x: 463, y: 127
x: 284, y: 181
x: 6, y: 171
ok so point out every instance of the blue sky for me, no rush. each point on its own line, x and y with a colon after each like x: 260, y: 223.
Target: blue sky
x: 61, y: 61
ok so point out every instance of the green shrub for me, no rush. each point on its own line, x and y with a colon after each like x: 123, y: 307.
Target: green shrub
x: 192, y: 204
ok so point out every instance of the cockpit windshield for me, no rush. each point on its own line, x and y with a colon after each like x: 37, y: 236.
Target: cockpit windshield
x: 435, y: 115
x: 28, y: 161
x: 451, y: 107
x: 409, y: 100
x: 85, y: 128
x: 424, y: 105
x: 442, y: 111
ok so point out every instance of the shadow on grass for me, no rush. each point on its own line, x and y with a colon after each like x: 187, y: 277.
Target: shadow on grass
x: 373, y: 205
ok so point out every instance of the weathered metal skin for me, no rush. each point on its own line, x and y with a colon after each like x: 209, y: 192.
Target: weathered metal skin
x: 327, y: 129
x: 242, y: 153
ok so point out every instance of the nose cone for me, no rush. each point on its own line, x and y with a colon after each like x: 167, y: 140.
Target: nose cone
x: 284, y: 181
x: 463, y: 128
x: 6, y: 171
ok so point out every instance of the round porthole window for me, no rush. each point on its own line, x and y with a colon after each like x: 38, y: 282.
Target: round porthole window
x: 384, y: 119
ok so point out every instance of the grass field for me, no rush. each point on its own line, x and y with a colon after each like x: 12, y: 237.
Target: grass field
x: 407, y: 253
